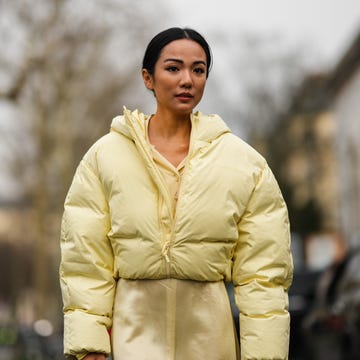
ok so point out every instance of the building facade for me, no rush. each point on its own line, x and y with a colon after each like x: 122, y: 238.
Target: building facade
x: 344, y: 92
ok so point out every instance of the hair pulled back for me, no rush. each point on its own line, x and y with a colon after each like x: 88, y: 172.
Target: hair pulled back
x: 159, y: 41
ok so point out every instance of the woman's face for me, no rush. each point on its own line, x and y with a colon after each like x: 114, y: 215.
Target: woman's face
x: 179, y: 76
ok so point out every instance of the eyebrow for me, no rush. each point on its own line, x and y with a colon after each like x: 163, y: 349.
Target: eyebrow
x: 181, y: 62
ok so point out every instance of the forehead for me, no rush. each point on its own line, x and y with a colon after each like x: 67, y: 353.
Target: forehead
x: 183, y: 49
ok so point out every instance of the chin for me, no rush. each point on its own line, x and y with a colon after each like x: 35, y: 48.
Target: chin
x: 185, y: 109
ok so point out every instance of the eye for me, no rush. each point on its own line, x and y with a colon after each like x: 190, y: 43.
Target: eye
x: 199, y: 70
x: 172, y: 68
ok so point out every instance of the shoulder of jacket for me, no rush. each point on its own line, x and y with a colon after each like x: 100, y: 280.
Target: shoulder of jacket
x: 244, y: 150
x: 104, y: 144
x: 106, y: 141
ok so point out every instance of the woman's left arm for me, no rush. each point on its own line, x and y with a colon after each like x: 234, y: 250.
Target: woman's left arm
x: 262, y: 272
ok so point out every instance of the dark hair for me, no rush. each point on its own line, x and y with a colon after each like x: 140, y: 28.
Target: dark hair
x: 153, y: 50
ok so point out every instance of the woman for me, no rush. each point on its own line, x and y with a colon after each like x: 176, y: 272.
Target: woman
x: 161, y: 212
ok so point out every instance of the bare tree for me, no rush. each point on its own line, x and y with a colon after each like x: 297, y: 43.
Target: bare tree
x: 67, y: 68
x: 256, y: 77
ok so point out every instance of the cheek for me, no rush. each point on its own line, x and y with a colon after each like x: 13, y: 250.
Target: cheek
x: 163, y: 83
x: 201, y: 86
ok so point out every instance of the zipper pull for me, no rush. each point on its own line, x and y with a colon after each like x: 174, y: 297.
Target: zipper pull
x: 165, y: 250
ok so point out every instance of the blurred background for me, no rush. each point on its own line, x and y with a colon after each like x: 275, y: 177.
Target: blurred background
x: 286, y: 78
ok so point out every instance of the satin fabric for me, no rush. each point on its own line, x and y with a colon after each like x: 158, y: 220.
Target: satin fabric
x: 173, y: 319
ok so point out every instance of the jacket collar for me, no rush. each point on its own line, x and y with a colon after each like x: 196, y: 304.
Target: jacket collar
x: 205, y: 128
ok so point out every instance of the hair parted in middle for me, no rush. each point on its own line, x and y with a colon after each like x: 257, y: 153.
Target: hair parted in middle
x: 159, y: 41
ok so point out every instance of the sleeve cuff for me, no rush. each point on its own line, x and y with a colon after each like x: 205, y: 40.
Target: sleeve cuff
x: 265, y: 337
x: 85, y: 333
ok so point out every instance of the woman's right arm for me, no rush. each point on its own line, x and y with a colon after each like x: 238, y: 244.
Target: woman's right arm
x: 86, y: 269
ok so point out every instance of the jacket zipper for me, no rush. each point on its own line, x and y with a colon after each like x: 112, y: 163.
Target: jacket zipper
x: 181, y: 186
x: 155, y: 173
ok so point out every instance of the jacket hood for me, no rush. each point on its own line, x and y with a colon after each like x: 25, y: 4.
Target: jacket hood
x: 204, y: 127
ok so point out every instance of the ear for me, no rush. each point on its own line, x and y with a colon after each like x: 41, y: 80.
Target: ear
x: 148, y: 79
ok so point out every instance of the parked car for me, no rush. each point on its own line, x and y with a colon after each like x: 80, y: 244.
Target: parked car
x: 301, y: 300
x: 332, y: 328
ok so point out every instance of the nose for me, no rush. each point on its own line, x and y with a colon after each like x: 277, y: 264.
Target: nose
x: 186, y: 79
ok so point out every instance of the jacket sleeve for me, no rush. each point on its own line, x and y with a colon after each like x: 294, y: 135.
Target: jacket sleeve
x: 86, y: 268
x: 262, y: 272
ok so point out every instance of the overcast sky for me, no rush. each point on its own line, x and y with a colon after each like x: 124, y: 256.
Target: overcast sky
x: 327, y: 26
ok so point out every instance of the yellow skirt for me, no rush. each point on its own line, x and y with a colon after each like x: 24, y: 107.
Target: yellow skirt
x: 173, y: 319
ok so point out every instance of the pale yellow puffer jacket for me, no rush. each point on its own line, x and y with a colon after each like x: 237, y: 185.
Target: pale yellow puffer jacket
x: 231, y: 224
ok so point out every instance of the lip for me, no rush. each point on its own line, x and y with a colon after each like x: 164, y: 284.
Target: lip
x: 184, y: 96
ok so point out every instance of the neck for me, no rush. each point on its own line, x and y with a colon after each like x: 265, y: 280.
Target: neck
x: 170, y: 127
